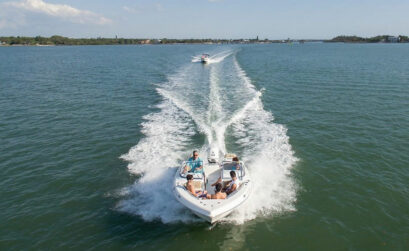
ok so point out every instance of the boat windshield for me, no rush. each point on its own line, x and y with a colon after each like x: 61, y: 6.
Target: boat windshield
x: 238, y: 167
x: 192, y: 169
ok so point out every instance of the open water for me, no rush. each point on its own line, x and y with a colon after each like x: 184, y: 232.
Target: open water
x: 91, y: 137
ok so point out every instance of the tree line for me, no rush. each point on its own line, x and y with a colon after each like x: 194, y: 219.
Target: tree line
x: 376, y: 39
x: 60, y: 40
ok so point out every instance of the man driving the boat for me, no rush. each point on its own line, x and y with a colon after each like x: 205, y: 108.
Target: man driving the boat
x: 194, y: 164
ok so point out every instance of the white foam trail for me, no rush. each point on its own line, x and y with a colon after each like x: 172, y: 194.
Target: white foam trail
x: 269, y: 156
x: 217, y: 58
x: 215, y: 112
x: 168, y: 139
x: 166, y: 133
x: 196, y: 59
x: 179, y: 103
x: 217, y: 118
x: 156, y: 156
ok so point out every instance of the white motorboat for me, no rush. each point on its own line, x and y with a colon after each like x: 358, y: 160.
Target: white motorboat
x: 204, y: 58
x: 213, y: 210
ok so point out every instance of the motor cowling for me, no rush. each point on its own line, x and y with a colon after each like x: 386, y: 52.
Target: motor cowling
x: 213, y: 154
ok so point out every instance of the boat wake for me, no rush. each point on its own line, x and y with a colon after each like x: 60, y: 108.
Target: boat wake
x: 217, y: 105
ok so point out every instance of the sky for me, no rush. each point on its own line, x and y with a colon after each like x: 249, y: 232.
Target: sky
x: 271, y: 19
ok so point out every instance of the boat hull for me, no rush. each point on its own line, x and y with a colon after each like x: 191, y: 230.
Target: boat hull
x: 213, y: 219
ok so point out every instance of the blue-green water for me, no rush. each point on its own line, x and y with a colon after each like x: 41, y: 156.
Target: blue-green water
x: 90, y: 138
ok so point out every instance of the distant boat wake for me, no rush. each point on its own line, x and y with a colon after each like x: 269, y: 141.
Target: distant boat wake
x: 220, y: 103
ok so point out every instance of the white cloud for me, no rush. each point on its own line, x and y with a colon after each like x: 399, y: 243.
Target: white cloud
x: 144, y: 8
x: 130, y: 9
x: 60, y: 11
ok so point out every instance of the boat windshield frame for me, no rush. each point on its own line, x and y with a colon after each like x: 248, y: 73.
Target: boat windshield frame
x: 196, y: 175
x: 241, y: 172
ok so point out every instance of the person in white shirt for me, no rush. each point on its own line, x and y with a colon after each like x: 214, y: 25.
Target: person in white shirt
x: 229, y: 186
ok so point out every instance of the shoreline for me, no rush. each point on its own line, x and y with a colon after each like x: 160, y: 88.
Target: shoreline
x: 60, y: 41
x: 57, y: 45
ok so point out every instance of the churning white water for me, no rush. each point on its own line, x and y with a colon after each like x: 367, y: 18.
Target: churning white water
x: 213, y: 104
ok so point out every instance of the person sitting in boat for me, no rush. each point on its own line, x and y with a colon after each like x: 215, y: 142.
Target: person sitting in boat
x: 232, y: 185
x: 191, y: 188
x: 194, y: 164
x: 218, y: 193
x: 229, y: 186
x: 236, y: 163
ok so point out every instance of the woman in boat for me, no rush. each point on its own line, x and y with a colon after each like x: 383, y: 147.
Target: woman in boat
x: 236, y: 163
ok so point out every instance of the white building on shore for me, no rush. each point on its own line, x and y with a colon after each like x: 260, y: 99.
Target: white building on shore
x: 392, y: 39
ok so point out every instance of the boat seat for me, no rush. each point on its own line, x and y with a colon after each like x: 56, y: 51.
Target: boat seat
x: 197, y: 184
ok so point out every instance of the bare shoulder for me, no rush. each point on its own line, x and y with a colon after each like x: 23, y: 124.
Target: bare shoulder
x: 190, y: 187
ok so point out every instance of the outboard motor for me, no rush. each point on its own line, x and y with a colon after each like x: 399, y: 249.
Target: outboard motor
x: 213, y: 154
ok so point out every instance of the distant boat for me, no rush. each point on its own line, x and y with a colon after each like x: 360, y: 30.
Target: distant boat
x: 204, y: 58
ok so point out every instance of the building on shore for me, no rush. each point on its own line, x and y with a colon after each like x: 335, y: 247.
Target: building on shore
x: 392, y: 39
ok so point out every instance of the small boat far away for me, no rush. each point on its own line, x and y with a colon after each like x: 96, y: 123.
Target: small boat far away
x: 204, y: 58
x: 213, y: 210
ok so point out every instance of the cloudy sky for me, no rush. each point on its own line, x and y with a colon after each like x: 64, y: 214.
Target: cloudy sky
x: 204, y: 18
